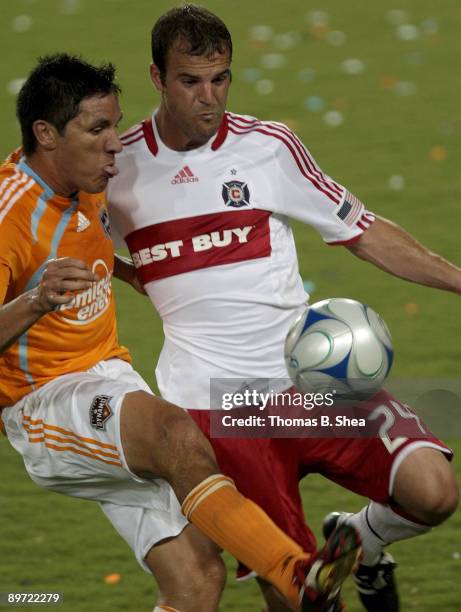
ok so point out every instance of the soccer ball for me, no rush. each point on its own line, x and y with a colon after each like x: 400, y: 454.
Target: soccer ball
x: 339, y: 344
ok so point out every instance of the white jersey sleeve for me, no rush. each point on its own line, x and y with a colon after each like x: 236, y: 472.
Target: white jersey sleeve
x: 309, y: 195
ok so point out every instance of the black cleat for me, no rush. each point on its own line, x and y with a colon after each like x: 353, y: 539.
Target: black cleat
x: 322, y: 575
x: 376, y: 584
x: 336, y: 605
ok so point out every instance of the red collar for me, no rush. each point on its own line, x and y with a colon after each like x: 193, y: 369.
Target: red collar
x: 221, y: 135
x: 151, y: 141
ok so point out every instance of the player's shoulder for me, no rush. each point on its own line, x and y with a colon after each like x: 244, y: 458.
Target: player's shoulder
x: 18, y: 193
x: 139, y: 145
x: 135, y: 138
x: 275, y: 132
x: 133, y: 134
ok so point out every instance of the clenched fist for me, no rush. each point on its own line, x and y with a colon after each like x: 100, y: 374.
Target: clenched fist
x: 60, y: 279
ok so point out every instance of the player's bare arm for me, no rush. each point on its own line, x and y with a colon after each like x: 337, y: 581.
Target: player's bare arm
x: 60, y: 279
x: 389, y: 247
x: 125, y: 271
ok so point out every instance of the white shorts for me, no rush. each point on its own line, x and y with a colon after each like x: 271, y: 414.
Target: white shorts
x: 68, y: 433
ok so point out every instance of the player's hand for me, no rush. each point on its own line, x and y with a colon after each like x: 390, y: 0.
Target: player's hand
x: 125, y: 270
x: 136, y: 284
x: 60, y: 279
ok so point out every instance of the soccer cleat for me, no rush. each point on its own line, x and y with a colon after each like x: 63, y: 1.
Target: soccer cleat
x: 376, y: 585
x: 321, y: 576
x: 336, y: 605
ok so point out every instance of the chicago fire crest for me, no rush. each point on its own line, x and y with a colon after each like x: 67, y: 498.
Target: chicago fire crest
x: 236, y: 194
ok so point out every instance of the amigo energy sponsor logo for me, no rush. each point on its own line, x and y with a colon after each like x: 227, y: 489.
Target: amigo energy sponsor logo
x: 93, y: 302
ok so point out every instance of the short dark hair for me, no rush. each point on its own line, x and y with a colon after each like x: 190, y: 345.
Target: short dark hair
x: 54, y: 89
x: 202, y: 33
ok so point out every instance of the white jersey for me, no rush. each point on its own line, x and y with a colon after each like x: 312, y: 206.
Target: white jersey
x: 208, y: 230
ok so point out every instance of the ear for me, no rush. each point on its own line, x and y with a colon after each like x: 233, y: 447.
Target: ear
x: 156, y: 77
x: 45, y: 134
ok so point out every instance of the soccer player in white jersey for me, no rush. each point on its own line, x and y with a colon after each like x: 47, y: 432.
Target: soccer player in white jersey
x: 203, y: 200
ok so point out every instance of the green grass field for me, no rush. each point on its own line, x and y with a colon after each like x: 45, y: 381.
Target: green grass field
x: 373, y: 90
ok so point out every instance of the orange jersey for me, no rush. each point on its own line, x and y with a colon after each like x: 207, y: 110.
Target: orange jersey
x: 37, y: 225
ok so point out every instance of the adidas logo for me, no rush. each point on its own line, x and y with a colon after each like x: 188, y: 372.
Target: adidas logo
x: 184, y: 176
x: 82, y: 222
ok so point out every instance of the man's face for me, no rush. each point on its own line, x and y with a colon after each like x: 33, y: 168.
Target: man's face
x: 194, y: 95
x: 85, y: 152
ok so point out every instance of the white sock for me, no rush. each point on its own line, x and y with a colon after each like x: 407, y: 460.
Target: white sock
x: 379, y: 526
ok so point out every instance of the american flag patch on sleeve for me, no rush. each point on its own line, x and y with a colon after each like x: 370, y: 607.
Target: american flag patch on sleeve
x: 351, y: 209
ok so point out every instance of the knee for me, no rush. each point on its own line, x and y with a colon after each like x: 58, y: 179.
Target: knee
x: 208, y: 582
x: 184, y: 457
x: 441, y: 502
x: 198, y: 587
x: 213, y: 575
x: 161, y: 440
x: 439, y: 496
x: 426, y: 487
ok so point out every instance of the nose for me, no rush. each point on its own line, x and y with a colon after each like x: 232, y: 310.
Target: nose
x: 205, y: 93
x: 113, y: 144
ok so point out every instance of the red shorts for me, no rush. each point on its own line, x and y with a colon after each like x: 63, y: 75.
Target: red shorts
x: 268, y: 470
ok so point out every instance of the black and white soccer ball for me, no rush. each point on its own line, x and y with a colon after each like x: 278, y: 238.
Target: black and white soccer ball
x: 339, y: 345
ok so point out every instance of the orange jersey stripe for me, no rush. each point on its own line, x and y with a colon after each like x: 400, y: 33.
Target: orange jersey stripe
x: 76, y: 451
x: 48, y: 436
x: 66, y: 432
x: 13, y: 194
x: 25, y: 417
x: 12, y: 185
x: 79, y: 452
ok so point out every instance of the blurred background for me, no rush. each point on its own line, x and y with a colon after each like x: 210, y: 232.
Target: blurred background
x: 373, y: 89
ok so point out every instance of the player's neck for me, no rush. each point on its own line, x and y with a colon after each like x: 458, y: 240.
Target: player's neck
x: 45, y: 169
x: 171, y: 134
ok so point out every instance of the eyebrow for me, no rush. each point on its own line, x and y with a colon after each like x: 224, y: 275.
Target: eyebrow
x: 188, y: 75
x: 104, y: 122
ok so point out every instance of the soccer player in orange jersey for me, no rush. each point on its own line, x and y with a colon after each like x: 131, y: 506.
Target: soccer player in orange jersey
x: 84, y: 421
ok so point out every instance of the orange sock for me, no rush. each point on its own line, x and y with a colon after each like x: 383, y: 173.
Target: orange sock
x: 164, y: 608
x: 242, y: 528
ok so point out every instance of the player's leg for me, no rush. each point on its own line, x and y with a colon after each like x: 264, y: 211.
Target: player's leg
x: 275, y: 488
x: 423, y: 495
x: 160, y: 440
x: 186, y: 565
x: 415, y: 488
x: 412, y: 490
x: 433, y: 496
x: 68, y: 435
x: 189, y: 572
x: 264, y: 470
